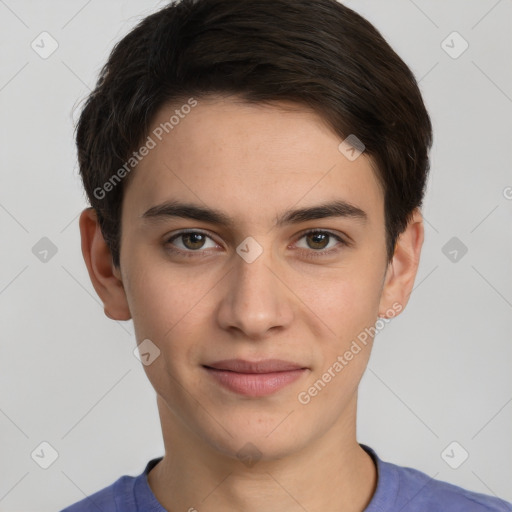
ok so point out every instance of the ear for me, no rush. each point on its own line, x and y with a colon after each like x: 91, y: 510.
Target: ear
x: 401, y: 271
x: 105, y: 278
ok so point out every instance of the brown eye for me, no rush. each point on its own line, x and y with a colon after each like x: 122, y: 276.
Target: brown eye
x: 318, y: 240
x: 193, y: 240
x: 189, y: 243
x: 318, y: 244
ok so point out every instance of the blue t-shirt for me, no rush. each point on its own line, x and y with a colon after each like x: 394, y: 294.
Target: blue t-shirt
x: 398, y: 489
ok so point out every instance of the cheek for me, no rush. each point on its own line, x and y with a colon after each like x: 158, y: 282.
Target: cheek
x: 163, y: 307
x: 345, y: 300
x: 348, y: 308
x: 159, y: 294
x: 169, y: 306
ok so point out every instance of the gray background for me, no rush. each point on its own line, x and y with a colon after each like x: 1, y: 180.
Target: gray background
x: 439, y: 373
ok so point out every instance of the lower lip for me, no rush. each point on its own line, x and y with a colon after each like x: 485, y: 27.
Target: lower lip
x: 255, y: 384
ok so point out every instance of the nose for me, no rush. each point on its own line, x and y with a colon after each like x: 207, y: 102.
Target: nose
x: 255, y: 298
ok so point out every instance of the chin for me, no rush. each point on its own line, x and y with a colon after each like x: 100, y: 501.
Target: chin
x: 254, y: 437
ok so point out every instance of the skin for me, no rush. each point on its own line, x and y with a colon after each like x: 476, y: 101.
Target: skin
x: 253, y: 162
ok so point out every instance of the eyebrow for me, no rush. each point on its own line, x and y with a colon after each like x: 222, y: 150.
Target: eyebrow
x: 169, y: 209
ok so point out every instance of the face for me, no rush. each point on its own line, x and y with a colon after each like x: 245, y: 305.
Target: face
x: 280, y: 255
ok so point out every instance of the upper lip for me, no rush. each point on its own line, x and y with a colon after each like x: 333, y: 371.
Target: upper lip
x: 264, y: 366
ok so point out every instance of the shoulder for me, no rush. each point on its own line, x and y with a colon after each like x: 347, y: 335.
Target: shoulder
x: 410, y: 490
x: 417, y: 492
x: 105, y: 499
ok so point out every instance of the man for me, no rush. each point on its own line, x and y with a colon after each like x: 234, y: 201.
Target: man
x: 256, y: 170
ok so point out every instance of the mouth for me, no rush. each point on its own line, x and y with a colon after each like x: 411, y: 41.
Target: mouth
x: 255, y: 378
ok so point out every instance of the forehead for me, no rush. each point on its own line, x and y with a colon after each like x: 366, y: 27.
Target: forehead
x: 253, y: 160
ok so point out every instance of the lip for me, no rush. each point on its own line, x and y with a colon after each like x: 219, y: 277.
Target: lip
x: 263, y: 366
x: 255, y: 378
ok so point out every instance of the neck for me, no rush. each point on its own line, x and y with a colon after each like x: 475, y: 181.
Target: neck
x: 333, y: 473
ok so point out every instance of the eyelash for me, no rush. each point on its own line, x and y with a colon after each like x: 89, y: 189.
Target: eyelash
x: 312, y: 253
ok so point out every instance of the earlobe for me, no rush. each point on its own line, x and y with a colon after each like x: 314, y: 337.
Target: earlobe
x: 104, y: 276
x: 402, y: 269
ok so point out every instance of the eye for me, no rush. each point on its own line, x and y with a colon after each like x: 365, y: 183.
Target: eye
x: 190, y: 242
x: 319, y: 240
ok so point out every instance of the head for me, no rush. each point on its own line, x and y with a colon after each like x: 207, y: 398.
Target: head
x: 230, y: 115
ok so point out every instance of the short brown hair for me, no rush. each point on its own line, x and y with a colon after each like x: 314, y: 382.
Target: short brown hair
x: 317, y: 53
